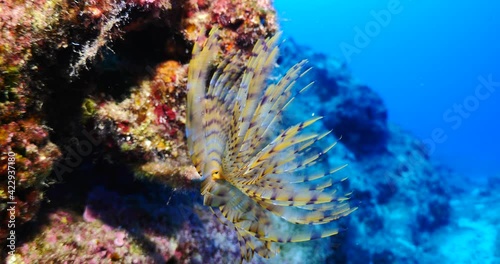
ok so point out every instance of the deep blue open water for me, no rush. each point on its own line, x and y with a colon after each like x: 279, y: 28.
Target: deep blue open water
x: 435, y: 64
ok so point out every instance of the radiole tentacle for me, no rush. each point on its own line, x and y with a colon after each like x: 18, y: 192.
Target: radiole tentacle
x: 253, y: 179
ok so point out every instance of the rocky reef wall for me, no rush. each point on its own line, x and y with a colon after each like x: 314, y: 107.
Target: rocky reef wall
x: 92, y: 103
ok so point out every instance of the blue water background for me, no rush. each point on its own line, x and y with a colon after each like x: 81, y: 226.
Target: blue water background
x: 428, y: 58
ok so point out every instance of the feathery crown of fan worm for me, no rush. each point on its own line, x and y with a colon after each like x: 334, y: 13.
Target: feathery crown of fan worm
x: 268, y: 190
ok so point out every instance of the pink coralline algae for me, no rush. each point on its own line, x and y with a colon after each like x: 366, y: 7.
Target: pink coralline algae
x: 120, y: 239
x: 146, y: 124
x: 89, y: 215
x: 68, y: 68
x: 134, y: 228
x: 150, y: 123
x: 116, y: 70
x: 34, y: 157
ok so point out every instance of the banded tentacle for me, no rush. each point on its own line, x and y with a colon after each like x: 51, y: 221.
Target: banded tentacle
x: 270, y: 188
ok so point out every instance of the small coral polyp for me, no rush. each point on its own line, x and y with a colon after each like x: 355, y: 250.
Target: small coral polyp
x: 252, y: 184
